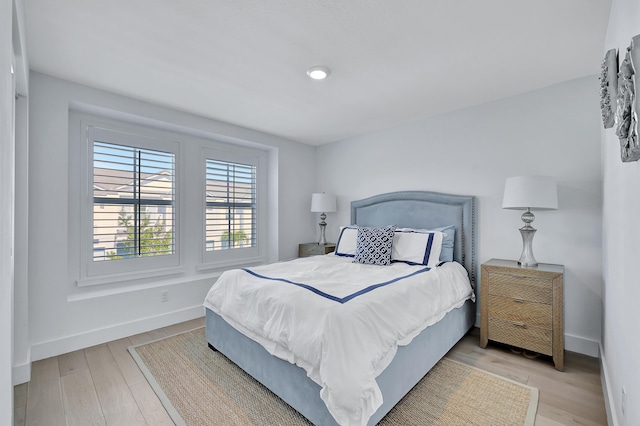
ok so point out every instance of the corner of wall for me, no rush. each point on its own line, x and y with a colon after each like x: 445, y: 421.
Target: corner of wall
x: 606, y: 390
x: 21, y: 373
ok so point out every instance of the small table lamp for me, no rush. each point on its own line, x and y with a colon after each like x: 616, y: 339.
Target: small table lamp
x: 529, y: 193
x: 322, y: 203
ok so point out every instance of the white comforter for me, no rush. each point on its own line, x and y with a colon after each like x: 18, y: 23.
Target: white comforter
x: 342, y: 322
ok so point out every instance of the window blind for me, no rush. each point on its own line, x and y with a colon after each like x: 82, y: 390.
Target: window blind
x: 133, y: 202
x: 230, y: 216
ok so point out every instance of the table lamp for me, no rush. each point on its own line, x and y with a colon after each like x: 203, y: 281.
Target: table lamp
x: 323, y: 203
x: 529, y: 193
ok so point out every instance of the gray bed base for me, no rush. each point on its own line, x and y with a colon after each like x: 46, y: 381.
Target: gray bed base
x: 415, y: 209
x: 292, y: 385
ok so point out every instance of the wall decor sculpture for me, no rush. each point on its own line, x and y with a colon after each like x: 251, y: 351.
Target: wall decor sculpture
x: 609, y: 87
x: 626, y: 118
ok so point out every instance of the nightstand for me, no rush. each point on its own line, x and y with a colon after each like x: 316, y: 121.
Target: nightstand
x: 313, y: 249
x: 523, y: 307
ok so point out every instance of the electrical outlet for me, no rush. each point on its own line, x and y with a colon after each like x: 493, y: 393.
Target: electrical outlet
x: 164, y: 295
x: 624, y: 402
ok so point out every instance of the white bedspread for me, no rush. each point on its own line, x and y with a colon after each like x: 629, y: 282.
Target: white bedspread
x: 342, y: 322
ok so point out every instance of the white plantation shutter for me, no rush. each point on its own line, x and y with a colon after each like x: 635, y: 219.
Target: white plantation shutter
x: 147, y: 203
x: 133, y: 202
x: 230, y: 212
x: 130, y: 216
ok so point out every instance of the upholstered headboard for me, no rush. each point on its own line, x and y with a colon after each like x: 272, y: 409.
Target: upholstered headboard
x: 425, y: 210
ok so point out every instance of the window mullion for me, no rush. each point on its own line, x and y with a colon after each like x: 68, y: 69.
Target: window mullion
x: 232, y: 213
x: 137, y: 189
x: 229, y: 234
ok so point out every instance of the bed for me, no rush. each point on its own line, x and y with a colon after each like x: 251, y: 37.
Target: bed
x: 410, y: 209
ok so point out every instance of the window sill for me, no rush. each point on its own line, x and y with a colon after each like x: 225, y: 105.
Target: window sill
x: 230, y: 264
x: 130, y: 276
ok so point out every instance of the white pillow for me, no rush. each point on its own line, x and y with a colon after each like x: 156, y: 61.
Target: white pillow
x: 421, y: 248
x: 347, y: 241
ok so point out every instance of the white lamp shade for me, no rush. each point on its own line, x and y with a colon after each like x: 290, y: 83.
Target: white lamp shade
x: 530, y: 192
x: 322, y: 203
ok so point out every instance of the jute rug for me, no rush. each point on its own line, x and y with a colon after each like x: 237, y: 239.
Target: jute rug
x: 198, y: 386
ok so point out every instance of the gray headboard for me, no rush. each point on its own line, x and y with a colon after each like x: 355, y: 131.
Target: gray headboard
x: 425, y: 210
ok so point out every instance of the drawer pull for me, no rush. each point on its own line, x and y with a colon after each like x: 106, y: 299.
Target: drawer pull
x: 519, y: 300
x: 519, y: 324
x: 518, y: 276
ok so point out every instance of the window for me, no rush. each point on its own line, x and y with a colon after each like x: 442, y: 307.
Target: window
x: 230, y: 218
x: 149, y: 203
x: 232, y: 183
x: 131, y: 222
x: 133, y: 199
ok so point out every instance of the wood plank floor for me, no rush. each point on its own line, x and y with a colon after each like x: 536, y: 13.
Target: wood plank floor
x: 102, y: 385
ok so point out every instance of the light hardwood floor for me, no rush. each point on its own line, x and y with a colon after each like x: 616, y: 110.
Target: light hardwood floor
x: 102, y: 385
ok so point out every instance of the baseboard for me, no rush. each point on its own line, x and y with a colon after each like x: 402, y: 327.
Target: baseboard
x: 612, y: 418
x: 582, y: 345
x: 114, y: 332
x: 21, y: 373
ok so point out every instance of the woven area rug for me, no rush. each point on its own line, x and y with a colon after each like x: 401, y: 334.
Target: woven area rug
x: 198, y: 386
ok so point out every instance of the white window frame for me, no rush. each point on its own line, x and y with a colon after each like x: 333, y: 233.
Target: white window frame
x: 92, y: 131
x: 243, y: 255
x: 191, y: 260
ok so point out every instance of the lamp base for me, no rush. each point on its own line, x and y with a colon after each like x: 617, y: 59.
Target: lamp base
x: 527, y: 258
x: 323, y: 225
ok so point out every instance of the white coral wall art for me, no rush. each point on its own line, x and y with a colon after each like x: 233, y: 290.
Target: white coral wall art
x: 609, y: 87
x: 626, y: 117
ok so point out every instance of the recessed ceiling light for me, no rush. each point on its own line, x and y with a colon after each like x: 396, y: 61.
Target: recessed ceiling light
x: 318, y: 72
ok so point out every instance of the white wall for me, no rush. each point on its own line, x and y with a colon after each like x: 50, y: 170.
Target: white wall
x: 621, y: 250
x: 64, y: 318
x: 21, y: 347
x: 6, y: 213
x: 552, y: 131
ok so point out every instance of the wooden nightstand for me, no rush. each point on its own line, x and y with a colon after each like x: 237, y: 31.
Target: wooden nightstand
x: 313, y: 249
x: 523, y: 307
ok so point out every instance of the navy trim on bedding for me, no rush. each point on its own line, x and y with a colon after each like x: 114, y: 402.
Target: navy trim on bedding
x: 427, y: 252
x: 334, y: 298
x: 337, y: 250
x: 408, y: 262
x: 345, y: 255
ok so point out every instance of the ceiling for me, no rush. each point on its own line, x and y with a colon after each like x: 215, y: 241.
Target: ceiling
x: 244, y: 61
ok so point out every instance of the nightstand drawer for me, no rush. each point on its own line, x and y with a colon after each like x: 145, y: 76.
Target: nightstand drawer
x: 521, y: 335
x: 521, y: 287
x: 520, y: 311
